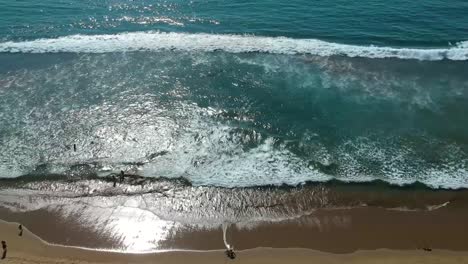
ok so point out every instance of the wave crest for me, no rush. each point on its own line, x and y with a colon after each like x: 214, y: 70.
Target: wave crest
x: 158, y: 41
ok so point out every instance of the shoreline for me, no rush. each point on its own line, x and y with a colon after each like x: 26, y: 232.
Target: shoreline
x: 142, y: 223
x: 137, y: 179
x: 31, y: 249
x: 164, y: 215
x: 340, y: 231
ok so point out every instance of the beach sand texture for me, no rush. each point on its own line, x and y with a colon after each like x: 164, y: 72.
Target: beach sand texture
x: 31, y: 249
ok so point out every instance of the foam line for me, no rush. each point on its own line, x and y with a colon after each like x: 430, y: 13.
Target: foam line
x: 158, y: 41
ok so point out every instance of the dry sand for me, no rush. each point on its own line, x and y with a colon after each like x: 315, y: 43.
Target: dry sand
x: 31, y: 249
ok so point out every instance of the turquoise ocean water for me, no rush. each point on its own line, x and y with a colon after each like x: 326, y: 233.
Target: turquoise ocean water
x: 236, y: 93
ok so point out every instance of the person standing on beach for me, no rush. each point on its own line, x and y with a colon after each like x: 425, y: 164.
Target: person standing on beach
x: 122, y: 175
x: 4, y: 246
x: 20, y: 227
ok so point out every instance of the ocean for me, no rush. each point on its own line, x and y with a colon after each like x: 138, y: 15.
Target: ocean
x: 235, y: 100
x: 237, y: 93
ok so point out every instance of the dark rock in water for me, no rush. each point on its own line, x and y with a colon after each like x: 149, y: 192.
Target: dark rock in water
x: 427, y: 249
x: 134, y: 163
x: 157, y: 154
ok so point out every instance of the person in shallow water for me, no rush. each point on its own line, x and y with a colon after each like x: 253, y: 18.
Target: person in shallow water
x: 4, y: 246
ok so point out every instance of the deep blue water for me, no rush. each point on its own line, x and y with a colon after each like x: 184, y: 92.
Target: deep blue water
x: 400, y: 22
x: 236, y: 93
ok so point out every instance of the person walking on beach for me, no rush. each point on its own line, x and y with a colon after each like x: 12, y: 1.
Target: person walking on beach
x: 230, y: 253
x: 229, y: 249
x: 20, y: 227
x: 4, y: 246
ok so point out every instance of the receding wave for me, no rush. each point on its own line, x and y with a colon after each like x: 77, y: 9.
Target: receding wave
x: 156, y: 41
x: 208, y: 204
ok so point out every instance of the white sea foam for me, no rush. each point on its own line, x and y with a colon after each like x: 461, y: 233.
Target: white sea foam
x: 156, y: 41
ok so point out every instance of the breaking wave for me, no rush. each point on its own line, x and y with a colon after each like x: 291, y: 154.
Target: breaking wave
x: 158, y: 41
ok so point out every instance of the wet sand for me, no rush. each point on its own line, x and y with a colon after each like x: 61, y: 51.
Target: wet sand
x: 167, y: 215
x: 334, y: 231
x: 30, y: 249
x: 125, y: 227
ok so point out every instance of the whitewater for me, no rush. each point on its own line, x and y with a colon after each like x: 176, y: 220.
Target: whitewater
x: 203, y: 42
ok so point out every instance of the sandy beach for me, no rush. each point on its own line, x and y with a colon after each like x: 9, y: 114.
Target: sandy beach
x: 359, y: 235
x: 191, y: 218
x: 31, y: 249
